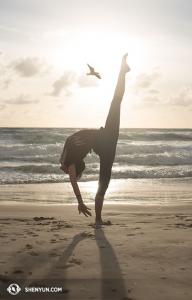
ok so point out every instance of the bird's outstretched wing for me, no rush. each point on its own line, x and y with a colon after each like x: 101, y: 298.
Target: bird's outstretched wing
x: 98, y: 76
x: 90, y: 68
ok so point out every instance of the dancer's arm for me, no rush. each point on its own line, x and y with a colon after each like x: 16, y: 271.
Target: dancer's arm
x: 81, y: 207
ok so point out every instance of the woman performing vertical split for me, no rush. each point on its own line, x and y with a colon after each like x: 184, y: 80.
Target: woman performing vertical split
x: 103, y: 142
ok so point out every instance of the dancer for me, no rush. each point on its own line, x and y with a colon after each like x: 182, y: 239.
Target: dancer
x: 103, y: 142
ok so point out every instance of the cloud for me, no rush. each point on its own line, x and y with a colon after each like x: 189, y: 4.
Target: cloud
x: 87, y: 81
x: 22, y: 99
x: 65, y: 81
x: 13, y: 30
x: 2, y: 68
x: 150, y: 99
x: 30, y: 66
x: 2, y: 106
x: 140, y: 105
x: 69, y: 79
x: 184, y: 97
x: 152, y: 91
x: 144, y: 80
x: 147, y: 102
x: 25, y: 112
x: 7, y: 83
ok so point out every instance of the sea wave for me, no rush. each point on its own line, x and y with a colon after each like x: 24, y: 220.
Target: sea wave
x: 132, y: 173
x: 155, y: 136
x: 31, y: 155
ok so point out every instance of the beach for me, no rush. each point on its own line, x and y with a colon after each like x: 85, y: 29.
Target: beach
x: 52, y: 252
x: 144, y: 254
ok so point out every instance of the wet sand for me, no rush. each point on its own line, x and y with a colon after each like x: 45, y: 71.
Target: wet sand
x: 144, y: 254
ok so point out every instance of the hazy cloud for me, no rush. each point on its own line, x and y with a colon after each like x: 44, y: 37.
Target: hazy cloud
x: 152, y: 91
x: 25, y: 112
x: 2, y: 106
x: 7, y: 83
x: 87, y: 81
x: 13, y: 30
x: 184, y: 97
x: 143, y: 105
x: 144, y: 80
x: 65, y: 81
x: 2, y: 68
x: 22, y: 99
x: 146, y: 102
x: 70, y: 78
x: 150, y: 99
x: 30, y: 66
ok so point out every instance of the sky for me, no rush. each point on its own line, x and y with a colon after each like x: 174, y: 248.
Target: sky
x: 45, y: 47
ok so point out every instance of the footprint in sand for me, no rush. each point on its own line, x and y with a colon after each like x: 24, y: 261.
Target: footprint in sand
x: 17, y: 272
x: 33, y: 253
x: 53, y: 241
x: 54, y: 254
x: 64, y: 267
x: 41, y: 242
x: 87, y: 235
x: 75, y: 261
x: 42, y: 218
x: 190, y: 225
x: 28, y: 246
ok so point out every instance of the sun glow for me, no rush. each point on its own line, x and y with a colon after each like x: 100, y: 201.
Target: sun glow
x: 100, y: 49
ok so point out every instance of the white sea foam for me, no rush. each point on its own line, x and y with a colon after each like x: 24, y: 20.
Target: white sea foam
x: 29, y: 155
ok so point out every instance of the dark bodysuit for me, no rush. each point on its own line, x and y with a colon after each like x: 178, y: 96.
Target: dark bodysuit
x: 103, y: 142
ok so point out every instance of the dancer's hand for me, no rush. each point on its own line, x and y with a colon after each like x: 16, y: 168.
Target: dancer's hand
x: 84, y: 209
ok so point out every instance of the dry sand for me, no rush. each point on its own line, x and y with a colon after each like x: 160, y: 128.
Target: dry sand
x: 145, y: 253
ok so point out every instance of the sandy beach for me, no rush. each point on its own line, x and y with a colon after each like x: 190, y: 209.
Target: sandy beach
x: 144, y: 254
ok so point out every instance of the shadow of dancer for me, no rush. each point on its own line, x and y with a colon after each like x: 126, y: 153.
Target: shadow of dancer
x: 51, y: 279
x: 112, y: 283
x: 65, y: 262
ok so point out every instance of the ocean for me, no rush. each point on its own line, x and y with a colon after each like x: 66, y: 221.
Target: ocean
x: 31, y: 156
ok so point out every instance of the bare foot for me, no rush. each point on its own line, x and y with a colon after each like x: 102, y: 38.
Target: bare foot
x: 101, y: 222
x: 124, y: 65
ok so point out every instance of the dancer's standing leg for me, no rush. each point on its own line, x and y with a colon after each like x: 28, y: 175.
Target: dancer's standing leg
x: 112, y: 126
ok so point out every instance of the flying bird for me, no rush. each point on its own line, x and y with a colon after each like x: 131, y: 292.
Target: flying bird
x: 92, y: 72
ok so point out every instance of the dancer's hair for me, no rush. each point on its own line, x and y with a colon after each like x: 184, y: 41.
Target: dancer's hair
x: 80, y: 167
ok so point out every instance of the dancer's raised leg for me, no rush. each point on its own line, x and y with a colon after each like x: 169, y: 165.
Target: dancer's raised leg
x: 112, y: 126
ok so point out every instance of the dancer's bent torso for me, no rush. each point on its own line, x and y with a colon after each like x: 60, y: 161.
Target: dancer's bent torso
x: 103, y: 142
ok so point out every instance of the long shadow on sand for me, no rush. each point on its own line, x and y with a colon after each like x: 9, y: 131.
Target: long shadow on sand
x: 112, y: 283
x: 49, y: 280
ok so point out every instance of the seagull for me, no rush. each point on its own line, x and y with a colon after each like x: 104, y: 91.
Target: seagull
x: 92, y: 72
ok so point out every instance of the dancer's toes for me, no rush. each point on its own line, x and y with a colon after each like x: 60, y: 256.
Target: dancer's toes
x: 125, y: 56
x: 124, y: 65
